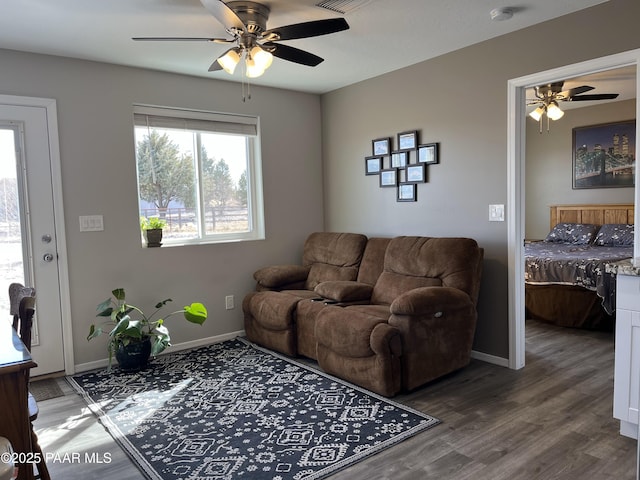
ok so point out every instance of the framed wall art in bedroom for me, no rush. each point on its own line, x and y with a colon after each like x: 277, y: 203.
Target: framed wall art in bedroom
x: 604, y: 155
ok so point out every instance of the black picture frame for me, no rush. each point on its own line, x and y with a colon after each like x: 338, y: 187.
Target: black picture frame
x: 428, y: 153
x: 389, y: 177
x: 407, y: 141
x: 399, y: 159
x: 416, y: 173
x: 604, y: 155
x: 381, y: 146
x: 372, y: 165
x: 407, y: 192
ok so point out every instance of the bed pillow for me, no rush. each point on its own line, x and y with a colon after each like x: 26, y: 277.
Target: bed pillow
x: 615, y: 235
x: 574, y: 233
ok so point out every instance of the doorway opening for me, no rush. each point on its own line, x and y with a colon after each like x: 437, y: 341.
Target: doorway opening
x: 516, y: 182
x: 39, y: 258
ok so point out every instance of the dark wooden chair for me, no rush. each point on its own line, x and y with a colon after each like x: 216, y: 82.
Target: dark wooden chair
x: 23, y: 324
x: 16, y: 292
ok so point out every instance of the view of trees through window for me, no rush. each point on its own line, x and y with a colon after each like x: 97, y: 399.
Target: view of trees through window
x: 195, y: 181
x: 11, y: 262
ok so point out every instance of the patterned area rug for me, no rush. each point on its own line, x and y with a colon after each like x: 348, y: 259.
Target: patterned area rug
x: 233, y: 410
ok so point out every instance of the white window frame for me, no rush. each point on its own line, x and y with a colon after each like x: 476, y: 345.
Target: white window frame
x: 200, y: 120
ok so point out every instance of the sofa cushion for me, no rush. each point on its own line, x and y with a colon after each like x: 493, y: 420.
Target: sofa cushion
x: 332, y: 256
x: 413, y: 262
x: 344, y: 291
x: 321, y: 272
x: 271, y: 310
x: 372, y: 263
x: 347, y: 330
x: 277, y: 275
x: 390, y: 285
x: 306, y: 313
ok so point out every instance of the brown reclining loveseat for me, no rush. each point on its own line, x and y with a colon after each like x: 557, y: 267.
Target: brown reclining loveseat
x: 385, y: 314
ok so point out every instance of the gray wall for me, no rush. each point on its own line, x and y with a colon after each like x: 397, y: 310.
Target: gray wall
x: 95, y: 123
x: 549, y: 159
x: 459, y: 100
x: 313, y: 164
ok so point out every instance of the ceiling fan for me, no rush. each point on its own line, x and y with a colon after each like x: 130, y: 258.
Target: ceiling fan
x: 246, y: 23
x: 548, y: 96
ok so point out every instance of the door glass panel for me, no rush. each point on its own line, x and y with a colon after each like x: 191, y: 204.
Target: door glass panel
x: 11, y: 261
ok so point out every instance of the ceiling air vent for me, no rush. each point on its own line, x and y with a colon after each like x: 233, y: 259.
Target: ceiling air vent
x: 342, y: 6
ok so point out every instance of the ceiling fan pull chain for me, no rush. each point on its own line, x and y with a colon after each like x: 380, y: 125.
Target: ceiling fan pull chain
x: 244, y: 94
x: 246, y: 84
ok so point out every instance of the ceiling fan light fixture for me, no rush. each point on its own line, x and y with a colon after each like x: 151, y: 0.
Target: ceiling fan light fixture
x: 253, y: 70
x: 537, y: 113
x: 230, y: 60
x: 553, y: 111
x: 257, y: 61
x: 261, y: 57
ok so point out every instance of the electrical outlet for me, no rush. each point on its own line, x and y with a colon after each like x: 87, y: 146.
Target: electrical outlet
x: 229, y: 303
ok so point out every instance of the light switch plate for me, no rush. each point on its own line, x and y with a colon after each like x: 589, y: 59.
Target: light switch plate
x: 91, y: 223
x: 496, y: 213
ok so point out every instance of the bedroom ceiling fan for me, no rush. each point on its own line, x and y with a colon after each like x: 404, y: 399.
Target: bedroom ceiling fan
x: 246, y: 23
x: 548, y: 96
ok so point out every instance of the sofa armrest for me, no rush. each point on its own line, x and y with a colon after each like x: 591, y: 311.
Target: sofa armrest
x: 431, y: 301
x: 344, y: 290
x: 385, y: 340
x: 280, y: 275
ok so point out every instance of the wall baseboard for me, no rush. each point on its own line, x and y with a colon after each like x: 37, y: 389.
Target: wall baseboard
x: 83, y: 367
x: 485, y: 357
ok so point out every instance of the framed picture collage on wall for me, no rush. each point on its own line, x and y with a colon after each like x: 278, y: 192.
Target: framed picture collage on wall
x: 403, y: 168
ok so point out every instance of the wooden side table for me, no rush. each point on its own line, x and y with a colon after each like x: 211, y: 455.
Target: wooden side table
x: 15, y: 362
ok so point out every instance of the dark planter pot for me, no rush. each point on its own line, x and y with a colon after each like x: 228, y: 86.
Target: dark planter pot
x: 134, y: 356
x: 153, y: 237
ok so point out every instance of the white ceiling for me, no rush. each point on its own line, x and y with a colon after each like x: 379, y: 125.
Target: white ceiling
x: 385, y: 35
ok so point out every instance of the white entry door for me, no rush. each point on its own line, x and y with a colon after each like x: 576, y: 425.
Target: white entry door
x: 28, y: 229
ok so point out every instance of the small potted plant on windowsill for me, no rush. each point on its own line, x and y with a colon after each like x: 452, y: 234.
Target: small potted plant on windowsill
x: 152, y: 229
x: 134, y: 336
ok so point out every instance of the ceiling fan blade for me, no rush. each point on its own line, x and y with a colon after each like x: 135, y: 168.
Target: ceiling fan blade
x: 224, y: 15
x: 181, y: 39
x: 292, y: 54
x: 595, y: 96
x: 576, y: 91
x: 306, y: 29
x: 215, y: 66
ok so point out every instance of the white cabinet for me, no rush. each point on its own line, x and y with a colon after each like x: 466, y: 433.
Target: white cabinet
x: 626, y: 388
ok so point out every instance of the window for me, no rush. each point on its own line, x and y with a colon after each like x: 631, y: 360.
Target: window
x: 200, y: 172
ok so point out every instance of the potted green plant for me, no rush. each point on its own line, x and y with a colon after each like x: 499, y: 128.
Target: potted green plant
x: 135, y: 336
x: 152, y: 229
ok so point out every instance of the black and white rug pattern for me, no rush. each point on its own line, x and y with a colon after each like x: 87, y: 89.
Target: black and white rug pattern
x: 233, y: 410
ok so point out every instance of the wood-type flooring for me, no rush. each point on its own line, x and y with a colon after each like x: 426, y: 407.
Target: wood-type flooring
x: 549, y: 420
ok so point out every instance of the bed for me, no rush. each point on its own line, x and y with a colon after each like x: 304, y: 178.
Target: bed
x: 565, y: 279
